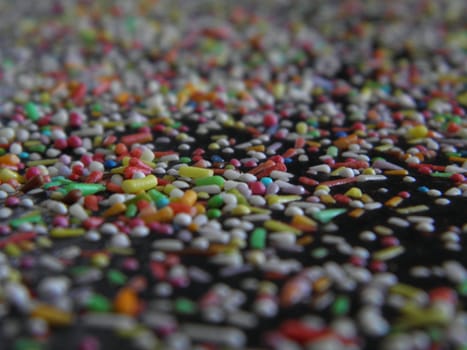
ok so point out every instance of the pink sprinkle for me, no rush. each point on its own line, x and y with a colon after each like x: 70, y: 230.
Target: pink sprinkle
x: 89, y: 343
x: 235, y: 162
x: 12, y: 201
x: 75, y: 120
x: 60, y: 221
x: 257, y: 187
x: 31, y: 172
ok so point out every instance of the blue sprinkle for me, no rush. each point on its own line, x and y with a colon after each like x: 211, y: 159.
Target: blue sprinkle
x: 423, y: 189
x: 24, y: 155
x: 162, y: 202
x: 110, y: 163
x: 217, y: 159
x: 288, y: 160
x: 341, y: 134
x: 266, y: 181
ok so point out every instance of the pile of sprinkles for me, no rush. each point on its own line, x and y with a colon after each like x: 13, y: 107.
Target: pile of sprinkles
x: 233, y: 175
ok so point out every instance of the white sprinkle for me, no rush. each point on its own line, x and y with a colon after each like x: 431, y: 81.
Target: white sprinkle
x: 168, y: 245
x: 182, y: 219
x: 5, y: 213
x: 434, y: 193
x: 453, y: 191
x: 109, y: 229
x: 78, y: 212
x: 442, y: 201
x: 140, y: 231
x: 398, y: 222
x: 373, y: 205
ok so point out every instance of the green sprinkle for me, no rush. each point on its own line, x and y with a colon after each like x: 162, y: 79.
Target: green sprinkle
x: 85, y: 188
x: 441, y: 174
x: 319, y: 253
x: 185, y: 160
x: 214, y: 213
x: 33, y: 218
x: 210, y: 180
x: 31, y: 111
x: 332, y: 151
x: 325, y: 216
x: 462, y: 288
x: 131, y: 210
x: 185, y: 306
x: 98, y: 302
x: 340, y: 306
x: 116, y: 277
x: 258, y: 238
x: 215, y: 201
x: 27, y: 344
x: 37, y: 148
x: 160, y: 199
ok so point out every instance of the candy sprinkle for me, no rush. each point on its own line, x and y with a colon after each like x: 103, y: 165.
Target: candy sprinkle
x: 233, y: 174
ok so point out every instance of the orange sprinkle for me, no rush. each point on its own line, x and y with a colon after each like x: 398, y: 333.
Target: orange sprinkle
x: 115, y: 209
x: 394, y: 201
x: 179, y: 207
x: 163, y: 215
x: 291, y: 152
x: 321, y: 284
x: 345, y: 142
x: 396, y: 172
x: 126, y: 302
x: 9, y: 159
x: 305, y: 240
x: 189, y: 198
x: 357, y: 212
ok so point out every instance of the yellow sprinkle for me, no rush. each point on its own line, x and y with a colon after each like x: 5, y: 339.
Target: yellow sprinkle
x: 126, y: 162
x: 301, y: 128
x: 369, y: 171
x: 383, y: 230
x: 100, y: 260
x: 422, y: 318
x: 367, y: 199
x: 195, y: 172
x: 354, y: 192
x: 327, y: 199
x: 396, y: 172
x: 384, y: 148
x: 214, y: 146
x: 52, y: 315
x: 323, y: 188
x: 66, y: 232
x: 115, y: 209
x: 388, y: 253
x: 12, y: 250
x: 278, y: 226
x: 118, y: 170
x: 417, y: 132
x: 274, y: 199
x: 406, y: 290
x: 415, y: 209
x: 241, y: 209
x: 42, y: 162
x: 8, y: 174
x: 256, y: 210
x: 138, y: 185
